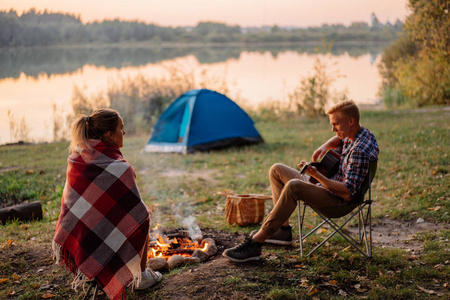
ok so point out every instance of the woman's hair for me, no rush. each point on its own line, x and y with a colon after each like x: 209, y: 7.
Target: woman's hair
x: 93, y: 126
x: 348, y: 108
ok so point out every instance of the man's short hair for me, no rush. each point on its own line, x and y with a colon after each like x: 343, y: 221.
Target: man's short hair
x: 348, y: 108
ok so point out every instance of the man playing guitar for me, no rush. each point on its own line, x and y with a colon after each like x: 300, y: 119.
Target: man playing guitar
x: 359, y: 148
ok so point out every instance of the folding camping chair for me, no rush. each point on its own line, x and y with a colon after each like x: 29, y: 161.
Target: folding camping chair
x: 361, y: 208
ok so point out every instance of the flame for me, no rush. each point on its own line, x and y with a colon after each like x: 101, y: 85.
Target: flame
x: 156, y: 251
x: 161, y: 246
x: 160, y: 239
x: 156, y: 227
x: 205, y: 247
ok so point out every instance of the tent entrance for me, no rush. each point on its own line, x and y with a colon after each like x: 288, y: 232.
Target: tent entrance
x: 184, y: 123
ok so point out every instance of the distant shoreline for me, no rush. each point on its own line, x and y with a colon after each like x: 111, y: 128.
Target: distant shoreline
x: 149, y: 44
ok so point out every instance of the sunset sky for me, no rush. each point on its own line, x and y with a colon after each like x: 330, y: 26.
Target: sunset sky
x: 300, y: 13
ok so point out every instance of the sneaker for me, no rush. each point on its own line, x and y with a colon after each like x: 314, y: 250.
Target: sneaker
x: 247, y: 251
x: 281, y: 237
x: 149, y: 278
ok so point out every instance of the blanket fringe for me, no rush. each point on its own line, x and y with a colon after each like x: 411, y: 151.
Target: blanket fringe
x: 62, y: 257
x: 56, y: 252
x: 136, y: 280
x: 80, y: 280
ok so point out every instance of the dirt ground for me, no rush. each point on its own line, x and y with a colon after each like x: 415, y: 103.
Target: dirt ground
x: 206, y: 280
x: 207, y: 277
x: 391, y: 233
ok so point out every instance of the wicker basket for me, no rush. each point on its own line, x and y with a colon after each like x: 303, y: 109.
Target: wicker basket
x: 244, y: 209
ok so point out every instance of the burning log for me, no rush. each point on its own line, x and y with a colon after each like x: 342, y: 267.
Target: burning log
x: 181, y: 233
x: 163, y: 247
x: 178, y: 252
x: 170, y: 253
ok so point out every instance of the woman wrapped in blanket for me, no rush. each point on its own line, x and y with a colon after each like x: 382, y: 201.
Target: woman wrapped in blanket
x: 102, y: 230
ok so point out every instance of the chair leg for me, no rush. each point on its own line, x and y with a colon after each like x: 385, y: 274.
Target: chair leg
x: 360, y: 225
x: 300, y: 228
x: 88, y: 291
x: 365, y: 223
x: 365, y: 227
x: 95, y: 292
x: 369, y: 243
x: 349, y: 239
x: 364, y: 233
x: 92, y: 284
x: 301, y: 219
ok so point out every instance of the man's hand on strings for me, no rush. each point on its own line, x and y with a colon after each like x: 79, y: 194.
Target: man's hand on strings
x: 312, y: 171
x: 319, y: 153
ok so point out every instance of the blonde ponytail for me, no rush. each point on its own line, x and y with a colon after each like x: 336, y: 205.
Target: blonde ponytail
x: 93, y: 126
x: 79, y: 134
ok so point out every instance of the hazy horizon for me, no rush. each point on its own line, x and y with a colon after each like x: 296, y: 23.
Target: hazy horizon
x: 295, y: 13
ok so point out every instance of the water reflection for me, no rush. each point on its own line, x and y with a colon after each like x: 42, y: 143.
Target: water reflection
x: 65, y: 60
x: 37, y: 84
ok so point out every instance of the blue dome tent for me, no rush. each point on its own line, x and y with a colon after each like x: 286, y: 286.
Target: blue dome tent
x: 202, y: 120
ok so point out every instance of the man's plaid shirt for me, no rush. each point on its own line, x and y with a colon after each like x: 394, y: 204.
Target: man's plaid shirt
x: 355, y: 159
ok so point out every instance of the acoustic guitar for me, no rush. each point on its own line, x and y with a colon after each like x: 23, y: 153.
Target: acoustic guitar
x: 328, y: 165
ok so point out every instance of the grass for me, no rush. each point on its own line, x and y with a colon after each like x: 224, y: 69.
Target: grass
x: 412, y: 182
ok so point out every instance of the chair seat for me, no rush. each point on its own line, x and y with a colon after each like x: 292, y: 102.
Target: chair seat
x: 338, y: 211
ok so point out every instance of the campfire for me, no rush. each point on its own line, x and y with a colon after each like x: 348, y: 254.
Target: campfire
x: 173, y: 249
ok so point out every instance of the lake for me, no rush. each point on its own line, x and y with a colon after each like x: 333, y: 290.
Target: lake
x: 36, y: 84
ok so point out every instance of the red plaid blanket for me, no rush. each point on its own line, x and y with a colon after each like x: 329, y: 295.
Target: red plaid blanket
x: 103, y: 224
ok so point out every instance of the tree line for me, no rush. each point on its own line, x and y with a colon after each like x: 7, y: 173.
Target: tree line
x: 416, y: 68
x: 35, y: 28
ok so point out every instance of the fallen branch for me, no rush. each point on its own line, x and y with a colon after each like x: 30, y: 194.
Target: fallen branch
x: 21, y: 212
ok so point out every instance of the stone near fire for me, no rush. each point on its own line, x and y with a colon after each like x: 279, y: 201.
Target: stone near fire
x: 174, y: 261
x: 212, y: 248
x: 191, y: 260
x: 157, y: 263
x: 200, y: 254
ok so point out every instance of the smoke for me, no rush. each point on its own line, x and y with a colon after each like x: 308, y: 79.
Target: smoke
x: 193, y: 230
x: 188, y: 223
